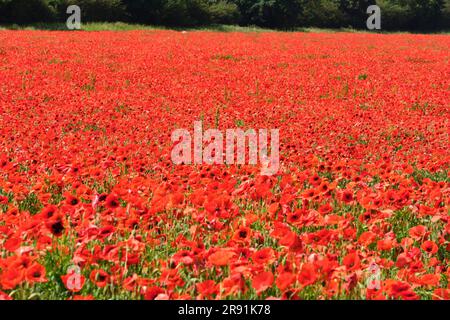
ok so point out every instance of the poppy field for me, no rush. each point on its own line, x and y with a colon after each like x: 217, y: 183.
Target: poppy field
x: 92, y: 207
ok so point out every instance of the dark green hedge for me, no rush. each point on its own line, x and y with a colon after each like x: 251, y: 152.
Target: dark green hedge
x: 283, y: 14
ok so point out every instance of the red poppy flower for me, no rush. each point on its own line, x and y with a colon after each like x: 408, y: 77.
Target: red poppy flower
x: 447, y: 228
x: 307, y: 275
x: 35, y: 273
x: 152, y: 293
x: 284, y: 280
x: 366, y: 238
x: 183, y: 256
x: 418, y: 232
x: 105, y: 232
x: 233, y: 284
x: 441, y: 294
x: 71, y: 200
x: 242, y: 234
x: 220, y: 258
x: 385, y: 244
x: 309, y: 194
x: 315, y: 180
x: 397, y: 288
x: 4, y: 296
x: 207, y: 288
x: 4, y: 200
x: 347, y: 196
x: 402, y: 260
x: 262, y: 281
x: 11, y: 278
x: 352, y: 261
x: 273, y: 208
x: 48, y: 212
x: 130, y: 283
x: 112, y: 201
x: 99, y: 277
x: 408, y: 295
x: 429, y: 247
x: 263, y: 256
x: 12, y: 244
x: 20, y: 262
x: 55, y: 225
x: 294, y: 217
x: 431, y: 280
x: 293, y: 241
x: 325, y: 209
x: 79, y: 297
x: 324, y: 187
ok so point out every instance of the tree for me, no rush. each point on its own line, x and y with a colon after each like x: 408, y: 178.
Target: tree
x: 28, y: 11
x: 145, y: 11
x: 223, y: 12
x: 445, y: 20
x: 322, y: 14
x: 356, y: 11
x: 271, y: 13
x: 426, y: 14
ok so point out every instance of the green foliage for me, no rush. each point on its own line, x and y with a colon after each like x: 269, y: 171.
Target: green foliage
x: 169, y: 12
x: 279, y: 14
x: 445, y: 19
x: 413, y: 14
x: 355, y: 11
x: 186, y: 12
x: 224, y: 12
x: 26, y: 11
x: 323, y: 14
x: 271, y: 13
x: 4, y: 8
x: 92, y: 10
x: 425, y: 13
x: 31, y: 204
x: 394, y: 16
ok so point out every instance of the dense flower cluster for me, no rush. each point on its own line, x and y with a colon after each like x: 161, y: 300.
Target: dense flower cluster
x: 87, y: 184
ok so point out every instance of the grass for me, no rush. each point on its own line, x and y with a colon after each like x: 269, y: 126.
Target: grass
x: 122, y: 26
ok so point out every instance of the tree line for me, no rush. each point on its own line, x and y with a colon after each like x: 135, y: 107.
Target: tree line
x: 278, y: 14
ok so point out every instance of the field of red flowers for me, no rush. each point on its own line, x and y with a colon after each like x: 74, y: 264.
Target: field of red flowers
x: 92, y: 207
